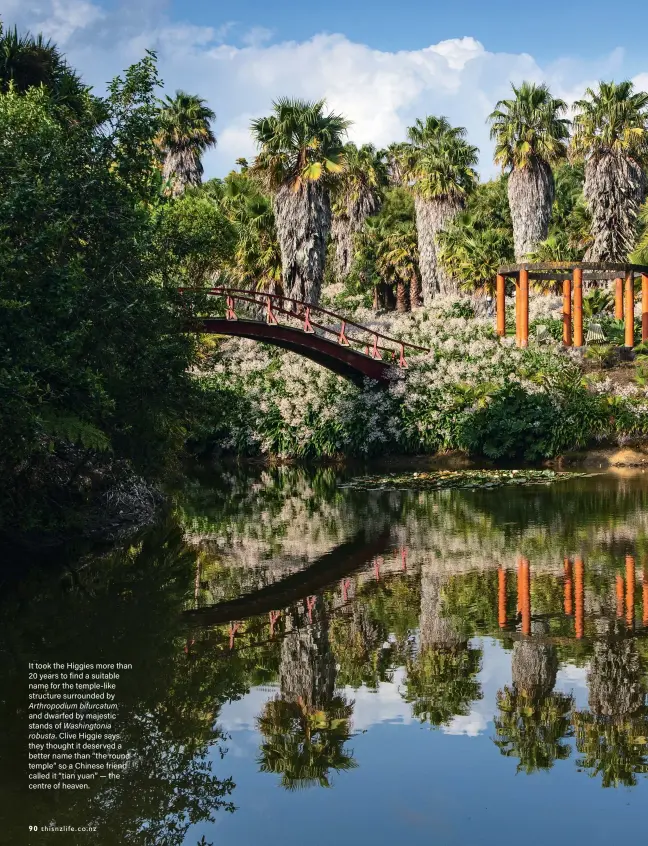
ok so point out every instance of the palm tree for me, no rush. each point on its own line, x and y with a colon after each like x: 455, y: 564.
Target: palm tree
x: 185, y: 133
x: 438, y: 165
x: 398, y: 263
x: 358, y: 194
x: 28, y: 61
x: 530, y: 135
x: 300, y: 151
x: 257, y: 255
x: 611, y: 135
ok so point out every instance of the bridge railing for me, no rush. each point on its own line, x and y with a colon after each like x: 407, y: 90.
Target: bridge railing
x: 309, y: 317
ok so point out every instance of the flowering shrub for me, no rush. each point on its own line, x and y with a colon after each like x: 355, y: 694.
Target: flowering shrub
x: 472, y: 391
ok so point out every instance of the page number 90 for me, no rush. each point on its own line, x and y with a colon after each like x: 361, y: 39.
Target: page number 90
x: 33, y: 828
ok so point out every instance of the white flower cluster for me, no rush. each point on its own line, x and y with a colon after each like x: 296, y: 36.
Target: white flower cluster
x: 294, y: 407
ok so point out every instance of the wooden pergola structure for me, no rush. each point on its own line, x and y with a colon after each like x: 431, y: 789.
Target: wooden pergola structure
x: 573, y: 275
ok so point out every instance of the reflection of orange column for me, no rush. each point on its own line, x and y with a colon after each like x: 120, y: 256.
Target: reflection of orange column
x: 619, y: 595
x: 644, y: 591
x: 569, y: 609
x: 630, y: 589
x: 519, y: 586
x: 579, y: 596
x: 526, y: 597
x: 501, y: 597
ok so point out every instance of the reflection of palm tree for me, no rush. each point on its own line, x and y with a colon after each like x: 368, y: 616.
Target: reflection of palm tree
x: 441, y: 679
x: 611, y: 736
x: 306, y: 727
x: 532, y: 718
x: 303, y: 743
x: 531, y: 729
x: 614, y: 749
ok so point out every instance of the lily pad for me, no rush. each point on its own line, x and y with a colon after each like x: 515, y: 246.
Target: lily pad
x: 458, y: 479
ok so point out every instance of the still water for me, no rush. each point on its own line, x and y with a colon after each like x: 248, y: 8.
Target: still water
x: 321, y: 664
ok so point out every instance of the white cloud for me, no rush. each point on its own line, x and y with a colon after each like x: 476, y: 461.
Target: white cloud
x: 382, y: 92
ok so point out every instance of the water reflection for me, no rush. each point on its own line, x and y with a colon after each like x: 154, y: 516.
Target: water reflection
x: 308, y: 614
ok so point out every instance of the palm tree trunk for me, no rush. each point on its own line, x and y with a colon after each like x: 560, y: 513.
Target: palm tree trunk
x: 376, y: 303
x: 431, y: 217
x: 401, y: 297
x: 307, y: 670
x: 303, y: 220
x: 530, y: 194
x: 415, y: 292
x: 435, y: 630
x: 342, y: 235
x: 614, y: 189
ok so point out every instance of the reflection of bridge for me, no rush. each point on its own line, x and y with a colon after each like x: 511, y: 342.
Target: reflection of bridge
x: 346, y: 348
x: 333, y: 571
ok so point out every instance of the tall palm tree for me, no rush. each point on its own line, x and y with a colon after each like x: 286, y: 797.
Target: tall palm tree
x: 358, y: 194
x: 530, y: 135
x: 185, y: 134
x: 438, y: 165
x: 28, y: 61
x: 301, y: 150
x: 611, y: 135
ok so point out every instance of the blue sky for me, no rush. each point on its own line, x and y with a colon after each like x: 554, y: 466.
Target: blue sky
x: 382, y: 65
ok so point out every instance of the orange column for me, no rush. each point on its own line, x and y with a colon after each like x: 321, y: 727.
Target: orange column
x: 501, y: 597
x: 501, y: 305
x: 569, y: 605
x: 644, y: 306
x: 578, y: 307
x: 619, y: 594
x: 629, y: 310
x: 524, y: 308
x: 517, y: 312
x: 579, y: 596
x: 618, y: 298
x: 644, y: 592
x: 567, y: 317
x: 630, y: 590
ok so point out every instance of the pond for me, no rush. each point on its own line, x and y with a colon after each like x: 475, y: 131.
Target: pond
x: 325, y: 664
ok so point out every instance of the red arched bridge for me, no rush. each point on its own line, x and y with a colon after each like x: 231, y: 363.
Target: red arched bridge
x: 345, y: 347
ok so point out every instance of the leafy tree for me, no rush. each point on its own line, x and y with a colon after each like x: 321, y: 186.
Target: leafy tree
x: 92, y: 352
x: 257, y: 258
x: 358, y: 194
x: 438, y: 164
x: 184, y: 136
x: 480, y: 239
x: 611, y: 137
x: 301, y: 150
x: 530, y: 136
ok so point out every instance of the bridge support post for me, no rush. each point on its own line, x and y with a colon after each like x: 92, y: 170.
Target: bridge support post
x: 644, y: 306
